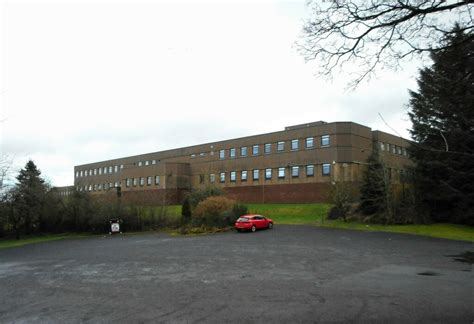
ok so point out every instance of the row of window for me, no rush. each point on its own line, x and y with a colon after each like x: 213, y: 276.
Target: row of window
x: 99, y: 171
x: 394, y: 149
x: 280, y: 147
x: 244, y: 151
x: 130, y: 182
x: 268, y: 173
x: 110, y: 169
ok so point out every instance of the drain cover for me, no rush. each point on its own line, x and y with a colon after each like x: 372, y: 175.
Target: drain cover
x: 428, y: 273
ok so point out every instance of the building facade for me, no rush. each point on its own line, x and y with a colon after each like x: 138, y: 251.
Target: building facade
x: 295, y: 165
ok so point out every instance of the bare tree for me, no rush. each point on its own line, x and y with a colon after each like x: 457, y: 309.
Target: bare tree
x: 366, y: 36
x: 5, y: 168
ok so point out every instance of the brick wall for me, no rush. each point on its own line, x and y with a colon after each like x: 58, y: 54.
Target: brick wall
x: 284, y: 193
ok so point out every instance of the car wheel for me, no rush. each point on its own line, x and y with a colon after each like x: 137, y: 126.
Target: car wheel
x: 254, y: 228
x: 270, y: 225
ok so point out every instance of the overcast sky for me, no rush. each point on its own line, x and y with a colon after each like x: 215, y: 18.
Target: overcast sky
x: 85, y: 82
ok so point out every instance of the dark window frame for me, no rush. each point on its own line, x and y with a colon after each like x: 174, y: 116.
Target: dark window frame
x: 324, y: 139
x: 323, y: 169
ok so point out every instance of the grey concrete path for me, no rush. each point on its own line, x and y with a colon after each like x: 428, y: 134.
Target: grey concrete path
x: 291, y: 274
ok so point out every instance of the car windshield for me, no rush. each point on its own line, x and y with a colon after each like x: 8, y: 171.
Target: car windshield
x: 243, y: 219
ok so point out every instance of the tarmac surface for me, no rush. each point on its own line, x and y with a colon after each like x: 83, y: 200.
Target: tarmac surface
x: 290, y: 274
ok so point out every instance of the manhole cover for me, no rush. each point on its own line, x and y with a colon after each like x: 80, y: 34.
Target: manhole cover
x: 428, y: 273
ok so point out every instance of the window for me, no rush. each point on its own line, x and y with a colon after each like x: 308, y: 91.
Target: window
x: 77, y: 174
x: 110, y: 169
x: 128, y: 182
x: 148, y: 181
x: 140, y: 163
x: 121, y: 166
x: 268, y: 148
x: 243, y: 151
x: 212, y: 178
x: 382, y: 146
x: 388, y: 147
x: 399, y: 150
x: 106, y: 186
x: 99, y: 187
x: 81, y: 174
x: 268, y: 174
x: 117, y: 184
x: 142, y: 181
x: 90, y: 172
x: 193, y: 156
x: 95, y: 187
x: 233, y: 176
x: 100, y: 171
x: 326, y: 169
x: 404, y: 151
x: 222, y: 177
x: 295, y: 171
x: 90, y: 187
x: 243, y: 176
x: 232, y: 153
x: 135, y: 182
x: 153, y: 162
x: 111, y: 185
x: 281, y: 173
x: 394, y: 149
x: 95, y: 171
x: 147, y: 163
x: 309, y: 142
x: 116, y: 168
x: 201, y: 178
x: 255, y: 150
x: 280, y: 146
x: 157, y: 180
x: 221, y: 154
x: 202, y: 154
x: 310, y: 170
x: 325, y: 140
x: 105, y: 170
x: 256, y: 174
x: 295, y: 144
x: 85, y: 173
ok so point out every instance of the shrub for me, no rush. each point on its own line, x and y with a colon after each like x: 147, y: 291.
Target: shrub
x: 214, y: 211
x: 194, y: 198
x: 342, y: 195
x: 239, y: 210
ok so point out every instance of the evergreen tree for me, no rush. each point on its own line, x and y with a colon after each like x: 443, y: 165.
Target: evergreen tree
x: 442, y: 113
x: 29, y: 196
x: 375, y: 191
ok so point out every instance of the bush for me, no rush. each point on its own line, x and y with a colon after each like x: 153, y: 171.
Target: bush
x: 342, y: 195
x: 239, y: 210
x: 214, y: 211
x: 194, y: 198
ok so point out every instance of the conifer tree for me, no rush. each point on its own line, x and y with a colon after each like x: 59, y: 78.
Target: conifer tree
x: 442, y: 113
x: 375, y: 191
x: 29, y: 196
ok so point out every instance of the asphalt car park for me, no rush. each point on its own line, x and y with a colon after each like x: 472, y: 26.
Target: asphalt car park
x: 287, y: 274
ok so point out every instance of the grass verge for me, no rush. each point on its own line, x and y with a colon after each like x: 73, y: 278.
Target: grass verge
x: 439, y: 230
x: 315, y: 214
x: 9, y: 243
x: 293, y: 214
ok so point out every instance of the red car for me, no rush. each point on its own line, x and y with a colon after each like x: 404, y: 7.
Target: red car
x: 252, y: 222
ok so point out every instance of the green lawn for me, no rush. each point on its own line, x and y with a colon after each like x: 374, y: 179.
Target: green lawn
x: 291, y: 213
x: 314, y: 214
x: 8, y: 243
